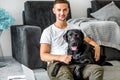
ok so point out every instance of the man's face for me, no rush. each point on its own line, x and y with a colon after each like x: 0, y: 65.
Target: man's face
x: 61, y: 11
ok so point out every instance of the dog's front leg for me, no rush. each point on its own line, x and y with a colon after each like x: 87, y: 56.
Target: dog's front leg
x: 77, y: 73
x: 56, y: 69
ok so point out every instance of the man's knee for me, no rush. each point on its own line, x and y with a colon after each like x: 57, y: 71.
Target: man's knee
x: 93, y: 71
x: 96, y: 73
x: 97, y: 69
x: 64, y: 73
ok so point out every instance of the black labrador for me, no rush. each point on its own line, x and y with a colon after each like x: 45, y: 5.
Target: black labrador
x: 82, y: 53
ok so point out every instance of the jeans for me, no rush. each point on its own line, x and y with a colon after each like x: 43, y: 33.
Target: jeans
x: 90, y: 72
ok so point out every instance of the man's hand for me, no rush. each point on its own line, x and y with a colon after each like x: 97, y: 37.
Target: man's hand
x: 65, y: 58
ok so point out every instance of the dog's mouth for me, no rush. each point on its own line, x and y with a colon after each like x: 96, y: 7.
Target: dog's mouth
x: 74, y: 48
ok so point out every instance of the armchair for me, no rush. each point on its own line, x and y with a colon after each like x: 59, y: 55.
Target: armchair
x: 37, y: 15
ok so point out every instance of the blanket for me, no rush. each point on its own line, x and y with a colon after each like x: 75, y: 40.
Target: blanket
x: 105, y: 33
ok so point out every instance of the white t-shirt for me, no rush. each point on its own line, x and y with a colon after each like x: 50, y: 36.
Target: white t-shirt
x: 54, y: 36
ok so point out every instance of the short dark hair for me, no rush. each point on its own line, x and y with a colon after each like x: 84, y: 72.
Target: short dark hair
x: 60, y: 1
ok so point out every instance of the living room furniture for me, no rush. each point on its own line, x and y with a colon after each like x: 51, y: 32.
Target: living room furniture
x: 37, y: 15
x: 13, y: 68
x: 111, y: 53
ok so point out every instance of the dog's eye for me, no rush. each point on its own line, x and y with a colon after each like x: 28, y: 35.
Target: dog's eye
x: 77, y: 35
x: 70, y: 34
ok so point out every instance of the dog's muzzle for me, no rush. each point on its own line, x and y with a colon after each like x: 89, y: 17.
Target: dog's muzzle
x: 74, y: 46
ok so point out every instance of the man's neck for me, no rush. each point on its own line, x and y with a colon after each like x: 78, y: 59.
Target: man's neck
x: 61, y: 25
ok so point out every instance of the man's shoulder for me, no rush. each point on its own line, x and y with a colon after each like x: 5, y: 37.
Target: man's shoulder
x: 48, y: 28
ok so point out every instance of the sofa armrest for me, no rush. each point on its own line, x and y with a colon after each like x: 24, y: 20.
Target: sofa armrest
x: 25, y: 45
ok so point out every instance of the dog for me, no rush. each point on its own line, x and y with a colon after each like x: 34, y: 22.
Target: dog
x: 82, y: 53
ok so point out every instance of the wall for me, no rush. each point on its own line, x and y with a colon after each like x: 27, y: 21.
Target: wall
x: 15, y: 7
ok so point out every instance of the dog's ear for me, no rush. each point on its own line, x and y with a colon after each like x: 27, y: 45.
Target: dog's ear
x: 65, y: 37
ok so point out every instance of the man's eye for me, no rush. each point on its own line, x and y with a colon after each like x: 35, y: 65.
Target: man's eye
x: 65, y: 9
x: 59, y: 9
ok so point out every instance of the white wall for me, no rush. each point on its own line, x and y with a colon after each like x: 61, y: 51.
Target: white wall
x: 78, y: 8
x: 15, y: 7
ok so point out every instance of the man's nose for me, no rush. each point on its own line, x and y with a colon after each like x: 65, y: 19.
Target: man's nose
x: 62, y: 12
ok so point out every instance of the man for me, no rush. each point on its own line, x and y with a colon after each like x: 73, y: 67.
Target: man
x: 53, y: 47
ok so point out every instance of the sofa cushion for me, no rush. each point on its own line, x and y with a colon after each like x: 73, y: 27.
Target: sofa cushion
x: 109, y: 12
x: 95, y: 5
x: 39, y: 13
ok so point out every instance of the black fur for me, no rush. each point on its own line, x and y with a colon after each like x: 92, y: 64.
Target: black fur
x: 82, y: 53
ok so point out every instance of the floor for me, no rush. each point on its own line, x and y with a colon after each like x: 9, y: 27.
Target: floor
x: 10, y: 70
x: 13, y: 68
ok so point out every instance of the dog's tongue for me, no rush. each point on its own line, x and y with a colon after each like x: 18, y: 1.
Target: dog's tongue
x: 74, y: 48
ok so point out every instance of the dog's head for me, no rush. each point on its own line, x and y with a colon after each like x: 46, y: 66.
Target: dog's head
x: 74, y: 38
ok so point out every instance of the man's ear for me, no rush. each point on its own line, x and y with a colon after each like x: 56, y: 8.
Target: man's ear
x: 65, y: 37
x: 53, y: 10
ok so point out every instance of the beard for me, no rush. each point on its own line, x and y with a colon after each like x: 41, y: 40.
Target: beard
x: 62, y: 19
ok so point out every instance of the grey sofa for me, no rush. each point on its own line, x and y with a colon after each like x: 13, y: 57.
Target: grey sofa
x: 112, y: 54
x: 37, y: 15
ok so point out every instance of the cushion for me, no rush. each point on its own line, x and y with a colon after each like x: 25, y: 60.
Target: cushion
x: 39, y: 13
x: 109, y: 12
x: 95, y: 5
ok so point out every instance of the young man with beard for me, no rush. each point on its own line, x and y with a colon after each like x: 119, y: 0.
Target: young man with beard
x: 54, y: 48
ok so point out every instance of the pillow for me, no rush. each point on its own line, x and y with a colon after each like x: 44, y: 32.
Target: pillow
x: 109, y: 12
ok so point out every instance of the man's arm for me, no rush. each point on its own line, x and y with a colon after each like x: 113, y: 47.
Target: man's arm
x: 45, y: 53
x: 97, y: 47
x: 46, y: 56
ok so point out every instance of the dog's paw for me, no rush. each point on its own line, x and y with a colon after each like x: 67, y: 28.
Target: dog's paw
x: 56, y: 69
x: 53, y: 73
x: 78, y: 73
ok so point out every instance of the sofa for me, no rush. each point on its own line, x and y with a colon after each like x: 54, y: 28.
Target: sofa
x: 98, y: 11
x: 37, y: 15
x: 110, y: 52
